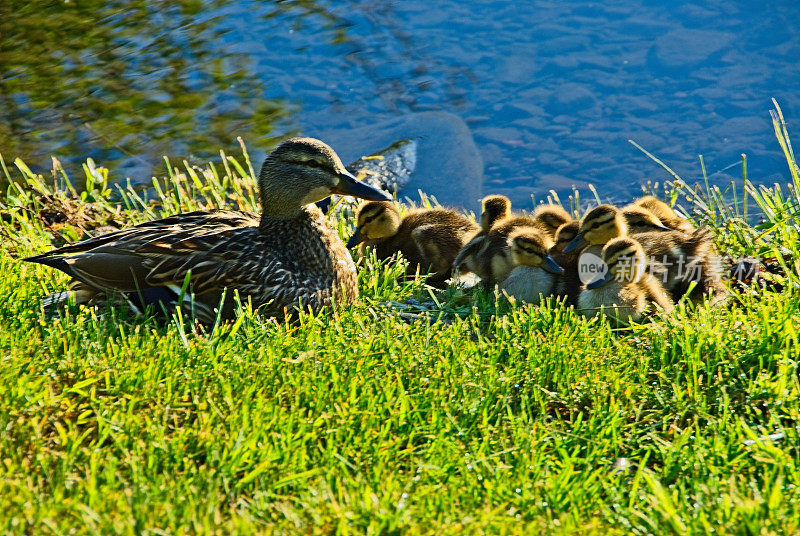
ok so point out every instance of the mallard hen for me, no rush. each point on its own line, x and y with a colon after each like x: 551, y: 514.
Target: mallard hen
x: 290, y: 257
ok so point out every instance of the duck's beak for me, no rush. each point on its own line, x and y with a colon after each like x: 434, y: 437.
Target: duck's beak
x: 552, y: 266
x: 355, y: 240
x: 576, y: 242
x: 349, y: 185
x: 608, y: 276
x: 662, y: 228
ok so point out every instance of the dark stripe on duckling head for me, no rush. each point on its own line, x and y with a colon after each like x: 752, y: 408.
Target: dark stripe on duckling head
x: 642, y: 220
x: 567, y: 232
x: 369, y: 211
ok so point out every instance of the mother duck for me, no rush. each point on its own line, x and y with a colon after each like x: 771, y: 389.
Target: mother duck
x: 289, y: 258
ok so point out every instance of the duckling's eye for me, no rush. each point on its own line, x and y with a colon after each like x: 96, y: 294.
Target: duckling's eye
x: 369, y: 219
x: 313, y: 163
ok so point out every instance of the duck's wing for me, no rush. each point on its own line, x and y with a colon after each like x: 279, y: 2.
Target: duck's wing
x: 181, y: 226
x: 127, y: 260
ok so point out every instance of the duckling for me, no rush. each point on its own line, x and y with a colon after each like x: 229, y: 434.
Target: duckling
x: 679, y: 258
x: 641, y: 220
x: 664, y: 212
x: 495, y: 208
x: 568, y: 285
x: 536, y: 273
x: 688, y: 263
x: 494, y: 261
x: 597, y: 227
x: 428, y: 239
x: 550, y: 217
x: 623, y: 292
x: 564, y: 235
x: 288, y: 258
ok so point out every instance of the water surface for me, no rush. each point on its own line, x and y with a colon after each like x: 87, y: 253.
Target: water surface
x: 551, y: 90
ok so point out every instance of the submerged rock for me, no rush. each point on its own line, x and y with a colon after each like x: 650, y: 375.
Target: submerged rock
x: 429, y: 151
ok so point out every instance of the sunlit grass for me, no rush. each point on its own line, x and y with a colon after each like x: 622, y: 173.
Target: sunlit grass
x: 473, y: 416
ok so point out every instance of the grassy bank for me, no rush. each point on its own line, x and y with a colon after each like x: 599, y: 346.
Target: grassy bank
x: 495, y: 419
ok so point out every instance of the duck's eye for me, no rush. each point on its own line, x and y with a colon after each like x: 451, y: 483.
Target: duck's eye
x: 313, y: 163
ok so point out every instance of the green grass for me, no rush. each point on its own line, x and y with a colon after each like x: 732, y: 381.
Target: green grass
x: 501, y: 420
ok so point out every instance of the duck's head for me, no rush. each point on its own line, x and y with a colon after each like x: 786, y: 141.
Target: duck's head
x: 663, y: 212
x: 598, y: 226
x: 301, y: 171
x: 641, y: 220
x: 565, y: 234
x: 530, y: 247
x: 375, y: 220
x: 495, y: 208
x: 625, y: 260
x: 553, y: 216
x: 655, y: 205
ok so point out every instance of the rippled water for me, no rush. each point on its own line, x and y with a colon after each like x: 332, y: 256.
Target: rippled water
x: 551, y: 90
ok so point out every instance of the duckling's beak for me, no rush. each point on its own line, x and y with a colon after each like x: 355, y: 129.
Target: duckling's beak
x: 576, y: 242
x: 552, y: 266
x: 608, y: 276
x: 355, y: 240
x: 349, y: 185
x: 662, y: 228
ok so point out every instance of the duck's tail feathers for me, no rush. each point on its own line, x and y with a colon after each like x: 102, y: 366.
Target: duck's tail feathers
x: 53, y: 261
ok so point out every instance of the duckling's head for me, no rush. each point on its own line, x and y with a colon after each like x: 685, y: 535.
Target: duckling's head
x: 530, y: 247
x: 641, y: 220
x: 375, y: 220
x: 654, y: 205
x: 495, y: 207
x: 565, y: 234
x: 301, y: 171
x: 553, y: 216
x: 598, y: 226
x: 625, y: 260
x: 664, y: 212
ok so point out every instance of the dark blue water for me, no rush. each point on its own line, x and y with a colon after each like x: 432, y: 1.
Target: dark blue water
x: 551, y: 90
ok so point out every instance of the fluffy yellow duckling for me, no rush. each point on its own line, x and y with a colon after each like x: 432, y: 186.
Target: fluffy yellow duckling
x: 597, y: 227
x: 679, y: 258
x: 536, y: 273
x: 641, y: 220
x: 687, y: 263
x: 664, y: 212
x: 565, y: 234
x: 494, y: 261
x: 495, y: 208
x: 428, y: 238
x: 623, y: 293
x: 549, y: 218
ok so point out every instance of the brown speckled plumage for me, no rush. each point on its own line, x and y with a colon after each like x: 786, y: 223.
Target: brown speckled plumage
x: 288, y: 257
